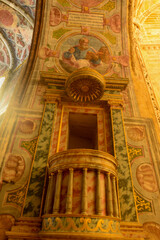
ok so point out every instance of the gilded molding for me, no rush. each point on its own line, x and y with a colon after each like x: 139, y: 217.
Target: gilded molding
x: 83, y: 158
x: 86, y: 81
x: 115, y: 103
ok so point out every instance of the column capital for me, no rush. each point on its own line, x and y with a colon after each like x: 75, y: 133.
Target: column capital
x: 115, y: 103
x: 71, y: 169
x: 85, y: 169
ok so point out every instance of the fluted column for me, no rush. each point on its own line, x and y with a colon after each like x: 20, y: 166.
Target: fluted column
x: 69, y: 192
x: 98, y: 195
x: 109, y: 196
x: 56, y: 204
x: 50, y: 194
x: 115, y: 201
x: 84, y: 202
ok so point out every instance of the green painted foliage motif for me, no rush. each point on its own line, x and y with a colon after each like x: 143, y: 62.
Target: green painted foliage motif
x: 58, y: 33
x: 127, y: 202
x: 34, y: 195
x: 64, y: 3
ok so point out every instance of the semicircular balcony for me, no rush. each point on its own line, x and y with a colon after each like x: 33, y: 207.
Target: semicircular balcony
x: 82, y: 184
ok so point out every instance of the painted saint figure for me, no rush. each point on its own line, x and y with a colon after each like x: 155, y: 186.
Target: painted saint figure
x: 82, y: 55
x: 84, y: 52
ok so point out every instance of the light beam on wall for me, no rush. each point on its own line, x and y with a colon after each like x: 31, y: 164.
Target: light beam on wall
x: 1, y: 81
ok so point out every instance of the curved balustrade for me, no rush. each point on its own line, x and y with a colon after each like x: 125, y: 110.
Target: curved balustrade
x: 92, y: 172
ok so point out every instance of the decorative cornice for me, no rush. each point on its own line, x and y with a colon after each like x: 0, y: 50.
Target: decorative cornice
x: 116, y: 83
x: 57, y: 82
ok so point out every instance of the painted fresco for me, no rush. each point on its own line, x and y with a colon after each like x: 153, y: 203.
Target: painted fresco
x: 35, y: 188
x: 17, y: 32
x: 86, y: 3
x: 29, y: 6
x: 80, y: 51
x: 127, y: 201
x: 15, y: 43
x: 15, y: 167
x: 84, y: 34
x: 78, y: 34
x: 145, y: 172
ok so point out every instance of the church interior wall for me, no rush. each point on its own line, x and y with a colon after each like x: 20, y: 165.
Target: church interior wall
x: 55, y: 51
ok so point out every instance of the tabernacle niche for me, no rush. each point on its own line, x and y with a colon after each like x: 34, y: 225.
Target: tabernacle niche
x: 82, y: 131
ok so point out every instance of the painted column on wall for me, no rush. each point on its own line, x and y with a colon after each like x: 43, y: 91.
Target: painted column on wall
x: 32, y: 206
x: 126, y: 195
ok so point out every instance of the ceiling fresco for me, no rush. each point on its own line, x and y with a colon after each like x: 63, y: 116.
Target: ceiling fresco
x: 16, y: 35
x: 16, y: 29
x: 84, y: 34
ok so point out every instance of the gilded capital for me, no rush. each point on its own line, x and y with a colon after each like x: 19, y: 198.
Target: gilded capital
x: 115, y: 103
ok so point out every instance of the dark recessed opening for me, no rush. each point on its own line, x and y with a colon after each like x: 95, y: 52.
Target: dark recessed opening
x: 82, y: 131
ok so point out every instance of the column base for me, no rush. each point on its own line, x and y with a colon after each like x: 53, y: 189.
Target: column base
x: 25, y: 228
x: 133, y: 230
x: 80, y: 228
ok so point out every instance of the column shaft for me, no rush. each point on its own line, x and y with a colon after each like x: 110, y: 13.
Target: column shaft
x: 84, y: 202
x: 50, y: 194
x: 115, y: 201
x: 98, y: 195
x: 69, y: 192
x: 56, y: 204
x: 109, y: 196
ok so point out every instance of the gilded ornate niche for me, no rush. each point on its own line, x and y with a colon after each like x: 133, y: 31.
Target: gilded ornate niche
x: 85, y: 85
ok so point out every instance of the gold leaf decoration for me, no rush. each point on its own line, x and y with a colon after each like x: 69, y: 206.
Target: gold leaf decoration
x: 16, y: 197
x: 134, y: 152
x: 75, y: 224
x: 29, y: 145
x: 142, y: 204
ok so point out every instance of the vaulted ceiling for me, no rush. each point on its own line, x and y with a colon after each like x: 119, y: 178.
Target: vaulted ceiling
x: 16, y: 30
x: 146, y: 31
x: 17, y: 22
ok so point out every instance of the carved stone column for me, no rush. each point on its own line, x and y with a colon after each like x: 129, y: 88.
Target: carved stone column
x: 69, y: 192
x: 56, y: 204
x: 109, y: 195
x: 50, y: 195
x: 115, y: 200
x: 84, y: 201
x: 98, y: 195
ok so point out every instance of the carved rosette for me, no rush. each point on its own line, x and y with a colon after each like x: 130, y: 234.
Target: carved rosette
x: 85, y: 85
